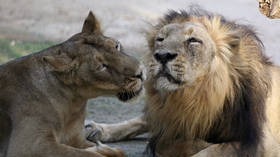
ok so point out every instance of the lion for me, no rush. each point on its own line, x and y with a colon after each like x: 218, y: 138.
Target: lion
x: 210, y: 91
x: 43, y: 96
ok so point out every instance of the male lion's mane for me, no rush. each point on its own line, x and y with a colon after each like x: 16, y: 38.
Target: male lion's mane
x: 228, y: 104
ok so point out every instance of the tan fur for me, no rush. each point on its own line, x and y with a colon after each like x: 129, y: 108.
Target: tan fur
x: 43, y: 96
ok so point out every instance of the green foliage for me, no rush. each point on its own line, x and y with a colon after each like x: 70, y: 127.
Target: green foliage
x: 11, y: 49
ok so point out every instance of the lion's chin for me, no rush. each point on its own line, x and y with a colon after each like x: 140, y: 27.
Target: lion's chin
x: 128, y: 95
x: 163, y: 83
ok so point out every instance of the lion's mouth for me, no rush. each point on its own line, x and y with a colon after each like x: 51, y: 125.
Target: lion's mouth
x: 127, y: 95
x: 170, y: 78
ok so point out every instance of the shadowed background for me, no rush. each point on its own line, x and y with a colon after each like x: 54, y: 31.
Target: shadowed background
x: 28, y: 26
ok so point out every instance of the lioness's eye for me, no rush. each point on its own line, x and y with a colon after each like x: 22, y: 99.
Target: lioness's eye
x: 193, y: 40
x: 118, y: 46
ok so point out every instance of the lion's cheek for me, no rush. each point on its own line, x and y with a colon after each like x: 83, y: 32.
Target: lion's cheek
x: 189, y: 76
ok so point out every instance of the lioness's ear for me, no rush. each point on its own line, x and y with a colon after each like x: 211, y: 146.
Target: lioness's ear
x: 60, y: 63
x: 91, y: 24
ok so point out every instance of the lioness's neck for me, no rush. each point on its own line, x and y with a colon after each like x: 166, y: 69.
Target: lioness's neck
x: 49, y: 83
x: 30, y: 75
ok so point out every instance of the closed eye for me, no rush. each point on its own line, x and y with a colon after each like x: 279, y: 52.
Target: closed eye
x: 193, y: 40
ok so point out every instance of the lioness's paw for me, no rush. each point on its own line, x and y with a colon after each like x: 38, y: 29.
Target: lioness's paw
x: 107, y: 151
x: 93, y: 132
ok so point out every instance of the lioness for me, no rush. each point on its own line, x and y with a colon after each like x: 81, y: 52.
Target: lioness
x: 210, y: 89
x: 43, y: 96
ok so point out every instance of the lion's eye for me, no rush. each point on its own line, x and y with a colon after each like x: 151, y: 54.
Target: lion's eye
x: 193, y: 40
x: 118, y: 46
x: 159, y: 39
x: 102, y: 67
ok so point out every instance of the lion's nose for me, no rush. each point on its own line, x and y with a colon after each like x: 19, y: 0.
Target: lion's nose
x: 164, y: 56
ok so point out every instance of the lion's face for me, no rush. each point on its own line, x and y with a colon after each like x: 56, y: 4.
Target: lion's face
x: 96, y: 65
x: 182, y: 54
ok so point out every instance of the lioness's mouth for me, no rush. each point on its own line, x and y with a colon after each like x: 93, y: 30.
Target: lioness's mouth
x: 127, y: 95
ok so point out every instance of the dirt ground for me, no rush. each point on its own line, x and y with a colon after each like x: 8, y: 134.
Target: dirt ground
x: 57, y: 20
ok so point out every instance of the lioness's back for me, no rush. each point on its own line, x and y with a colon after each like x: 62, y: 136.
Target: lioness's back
x: 5, y: 131
x: 14, y: 77
x: 11, y: 74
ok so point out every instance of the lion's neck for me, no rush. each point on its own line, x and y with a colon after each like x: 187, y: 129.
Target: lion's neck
x: 190, y: 110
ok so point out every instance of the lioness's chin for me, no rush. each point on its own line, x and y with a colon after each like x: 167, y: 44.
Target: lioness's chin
x: 128, y: 95
x: 164, y: 83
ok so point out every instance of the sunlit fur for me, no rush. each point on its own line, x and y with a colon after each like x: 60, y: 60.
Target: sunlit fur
x: 238, y: 79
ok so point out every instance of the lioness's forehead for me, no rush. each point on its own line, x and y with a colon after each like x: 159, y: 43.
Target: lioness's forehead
x: 100, y: 41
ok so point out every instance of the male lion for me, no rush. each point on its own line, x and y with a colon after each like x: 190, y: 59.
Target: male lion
x: 207, y: 81
x: 43, y: 96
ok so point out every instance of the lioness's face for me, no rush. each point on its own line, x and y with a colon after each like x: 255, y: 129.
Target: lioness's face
x: 97, y: 65
x: 182, y: 54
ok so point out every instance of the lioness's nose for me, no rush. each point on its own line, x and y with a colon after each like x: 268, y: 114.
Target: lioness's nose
x: 140, y: 73
x: 140, y: 76
x: 164, y: 56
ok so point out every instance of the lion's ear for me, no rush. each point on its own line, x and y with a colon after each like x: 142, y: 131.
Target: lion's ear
x: 60, y: 63
x: 91, y: 24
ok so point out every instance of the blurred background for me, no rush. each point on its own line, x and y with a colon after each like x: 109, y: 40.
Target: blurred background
x: 28, y: 26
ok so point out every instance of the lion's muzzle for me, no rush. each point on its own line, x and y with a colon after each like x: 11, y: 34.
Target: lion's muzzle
x: 164, y: 56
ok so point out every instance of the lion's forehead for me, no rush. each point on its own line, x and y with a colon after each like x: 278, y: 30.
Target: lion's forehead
x: 182, y: 31
x: 194, y: 28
